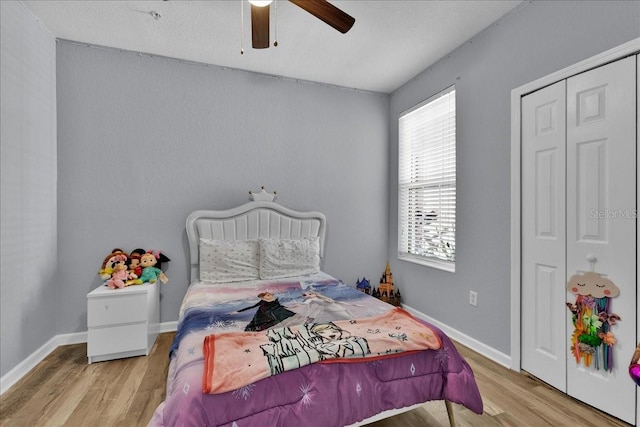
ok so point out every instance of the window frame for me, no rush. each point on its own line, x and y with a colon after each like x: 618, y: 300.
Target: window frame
x: 446, y: 185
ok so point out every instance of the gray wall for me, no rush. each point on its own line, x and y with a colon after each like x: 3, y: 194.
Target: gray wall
x: 28, y: 257
x: 143, y: 141
x: 538, y: 39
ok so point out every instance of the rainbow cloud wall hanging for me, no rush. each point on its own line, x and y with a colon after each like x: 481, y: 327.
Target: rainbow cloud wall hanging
x: 592, y: 340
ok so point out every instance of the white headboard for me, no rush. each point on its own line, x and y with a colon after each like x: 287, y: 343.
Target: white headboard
x: 251, y: 221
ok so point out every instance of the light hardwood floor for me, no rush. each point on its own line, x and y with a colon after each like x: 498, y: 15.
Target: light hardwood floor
x: 63, y: 390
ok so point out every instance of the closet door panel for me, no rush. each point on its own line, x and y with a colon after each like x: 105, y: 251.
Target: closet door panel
x: 601, y: 225
x: 543, y: 235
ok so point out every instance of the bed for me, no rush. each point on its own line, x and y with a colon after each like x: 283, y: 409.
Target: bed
x: 252, y: 346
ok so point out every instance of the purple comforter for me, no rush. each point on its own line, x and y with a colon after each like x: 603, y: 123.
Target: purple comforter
x: 324, y: 395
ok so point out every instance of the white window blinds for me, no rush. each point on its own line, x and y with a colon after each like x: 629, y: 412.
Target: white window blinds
x: 427, y: 182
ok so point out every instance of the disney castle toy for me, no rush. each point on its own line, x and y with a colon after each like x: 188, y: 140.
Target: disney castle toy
x: 363, y: 285
x: 386, y: 290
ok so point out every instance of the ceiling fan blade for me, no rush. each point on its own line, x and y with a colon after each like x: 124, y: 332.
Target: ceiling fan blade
x: 328, y: 13
x: 260, y: 27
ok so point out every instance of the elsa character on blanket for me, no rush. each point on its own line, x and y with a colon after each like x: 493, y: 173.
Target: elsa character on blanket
x: 270, y: 312
x: 321, y: 309
x: 337, y: 342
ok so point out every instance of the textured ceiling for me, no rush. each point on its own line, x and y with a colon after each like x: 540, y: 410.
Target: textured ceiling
x: 391, y: 41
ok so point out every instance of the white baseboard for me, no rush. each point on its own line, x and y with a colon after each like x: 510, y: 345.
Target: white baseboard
x: 169, y: 326
x: 23, y: 368
x: 464, y: 339
x: 14, y: 375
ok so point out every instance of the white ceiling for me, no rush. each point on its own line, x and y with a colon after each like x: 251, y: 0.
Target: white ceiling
x: 391, y: 41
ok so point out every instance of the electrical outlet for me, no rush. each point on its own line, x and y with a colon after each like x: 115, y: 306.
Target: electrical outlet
x: 473, y: 298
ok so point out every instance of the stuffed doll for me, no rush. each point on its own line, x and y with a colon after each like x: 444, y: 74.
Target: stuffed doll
x: 119, y: 274
x: 161, y: 259
x: 135, y: 269
x: 151, y: 273
x: 108, y: 265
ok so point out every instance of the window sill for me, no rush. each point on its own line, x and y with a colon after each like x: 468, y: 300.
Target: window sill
x: 428, y: 262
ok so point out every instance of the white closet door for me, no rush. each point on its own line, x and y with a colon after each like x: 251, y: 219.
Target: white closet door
x: 601, y: 199
x: 544, y: 342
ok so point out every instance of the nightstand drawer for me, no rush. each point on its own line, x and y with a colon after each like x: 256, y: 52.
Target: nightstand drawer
x: 118, y: 309
x: 117, y: 339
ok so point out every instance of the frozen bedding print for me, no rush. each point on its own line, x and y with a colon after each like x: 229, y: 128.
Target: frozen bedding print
x: 307, y: 351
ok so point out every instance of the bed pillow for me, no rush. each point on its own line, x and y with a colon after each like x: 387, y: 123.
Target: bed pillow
x: 289, y: 257
x: 224, y: 261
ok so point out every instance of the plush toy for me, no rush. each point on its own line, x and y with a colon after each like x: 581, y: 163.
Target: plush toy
x: 119, y: 274
x: 151, y: 273
x: 162, y: 258
x: 134, y: 264
x: 108, y: 265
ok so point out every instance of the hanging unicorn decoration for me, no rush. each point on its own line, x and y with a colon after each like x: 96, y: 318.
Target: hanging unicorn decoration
x: 592, y: 340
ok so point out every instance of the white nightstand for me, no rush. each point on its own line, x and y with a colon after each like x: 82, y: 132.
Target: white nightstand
x: 122, y: 322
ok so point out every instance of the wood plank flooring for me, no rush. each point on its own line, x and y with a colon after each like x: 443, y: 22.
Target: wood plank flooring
x: 63, y: 390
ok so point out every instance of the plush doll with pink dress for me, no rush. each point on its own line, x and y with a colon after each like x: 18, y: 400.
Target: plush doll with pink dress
x: 119, y: 275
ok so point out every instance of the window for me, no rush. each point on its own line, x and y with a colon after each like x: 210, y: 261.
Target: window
x: 427, y: 182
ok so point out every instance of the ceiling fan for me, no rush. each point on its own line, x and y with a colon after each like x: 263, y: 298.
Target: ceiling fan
x: 321, y: 9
